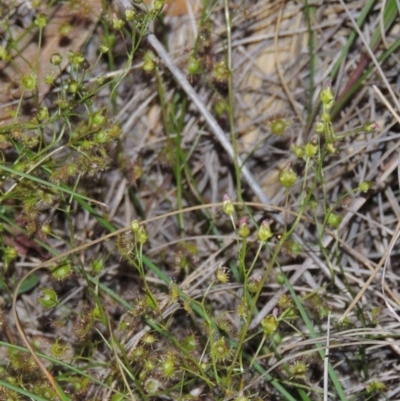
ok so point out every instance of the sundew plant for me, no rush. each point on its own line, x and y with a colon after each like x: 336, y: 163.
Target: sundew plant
x: 199, y: 200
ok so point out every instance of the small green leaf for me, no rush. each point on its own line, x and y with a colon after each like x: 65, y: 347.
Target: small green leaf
x: 31, y: 282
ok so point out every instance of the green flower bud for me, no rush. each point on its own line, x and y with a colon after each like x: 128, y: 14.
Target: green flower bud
x: 375, y: 387
x: 148, y: 339
x: 29, y: 81
x: 42, y: 114
x: 244, y: 230
x: 285, y: 302
x: 41, y: 21
x: 135, y: 226
x: 280, y: 279
x: 269, y: 324
x: 137, y: 354
x: 46, y: 229
x: 142, y: 235
x: 311, y: 149
x: 130, y: 14
x: 56, y: 59
x: 62, y: 271
x: 299, y: 369
x: 62, y: 104
x: 227, y: 206
x: 222, y: 274
x: 114, y: 131
x: 189, y: 343
x: 327, y: 97
x: 220, y: 107
x: 220, y: 72
x: 149, y: 55
x: 149, y: 63
x: 220, y: 351
x: 96, y: 312
x: 101, y: 136
x: 10, y: 253
x: 173, y: 292
x: 298, y: 151
x: 97, y: 265
x: 264, y: 232
x: 278, y: 126
x: 158, y: 5
x: 365, y: 186
x: 49, y: 298
x: 320, y: 127
x: 331, y: 148
x: 168, y: 366
x: 149, y: 66
x: 73, y: 87
x: 98, y: 118
x: 243, y: 309
x: 194, y: 65
x: 287, y: 177
x: 334, y: 220
x: 370, y: 126
x: 326, y: 117
x: 75, y: 58
x: 58, y: 350
x: 49, y: 78
x: 117, y: 23
x: 254, y: 284
x: 152, y: 385
x: 65, y: 29
x: 104, y: 48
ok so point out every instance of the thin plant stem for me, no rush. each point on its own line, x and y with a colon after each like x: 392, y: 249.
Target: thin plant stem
x: 231, y: 101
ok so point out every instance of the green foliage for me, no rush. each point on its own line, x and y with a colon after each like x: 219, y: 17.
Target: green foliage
x: 49, y: 298
x: 180, y: 336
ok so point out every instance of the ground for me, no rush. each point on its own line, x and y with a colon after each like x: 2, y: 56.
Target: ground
x: 199, y: 200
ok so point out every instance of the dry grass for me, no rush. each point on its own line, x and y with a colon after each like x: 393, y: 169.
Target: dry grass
x: 173, y: 154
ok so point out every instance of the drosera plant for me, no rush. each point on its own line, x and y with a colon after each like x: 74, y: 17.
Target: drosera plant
x: 180, y: 354
x: 46, y: 158
x: 315, y: 154
x: 49, y: 156
x: 214, y: 355
x: 218, y: 355
x: 187, y: 336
